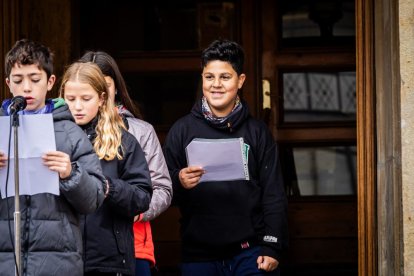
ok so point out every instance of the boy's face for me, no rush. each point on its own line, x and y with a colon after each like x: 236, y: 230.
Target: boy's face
x: 220, y: 86
x: 30, y: 82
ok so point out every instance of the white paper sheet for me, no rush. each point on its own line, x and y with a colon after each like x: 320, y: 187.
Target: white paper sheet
x: 222, y: 159
x: 36, y: 136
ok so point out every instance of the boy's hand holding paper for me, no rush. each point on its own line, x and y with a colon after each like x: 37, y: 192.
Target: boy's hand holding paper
x: 221, y: 159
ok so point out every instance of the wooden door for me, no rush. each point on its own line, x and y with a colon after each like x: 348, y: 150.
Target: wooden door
x: 305, y: 53
x: 309, y: 77
x: 157, y: 45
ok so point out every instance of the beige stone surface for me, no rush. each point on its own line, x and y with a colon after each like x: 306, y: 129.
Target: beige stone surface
x: 406, y: 33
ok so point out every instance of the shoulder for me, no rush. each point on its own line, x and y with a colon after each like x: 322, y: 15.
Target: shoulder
x: 70, y: 138
x: 139, y: 124
x: 184, y: 122
x: 68, y: 126
x: 139, y: 128
x: 258, y: 133
x: 128, y: 140
x: 255, y: 125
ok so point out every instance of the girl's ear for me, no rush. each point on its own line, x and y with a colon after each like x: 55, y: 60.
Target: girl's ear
x: 102, y: 99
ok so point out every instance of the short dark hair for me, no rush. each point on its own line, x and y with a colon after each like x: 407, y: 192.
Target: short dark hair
x: 28, y: 52
x: 224, y: 50
x: 109, y: 68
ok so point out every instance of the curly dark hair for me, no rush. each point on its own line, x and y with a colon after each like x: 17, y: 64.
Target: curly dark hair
x: 224, y: 50
x: 28, y: 52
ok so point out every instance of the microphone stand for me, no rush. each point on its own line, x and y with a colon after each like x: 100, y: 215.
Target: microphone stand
x: 17, y: 244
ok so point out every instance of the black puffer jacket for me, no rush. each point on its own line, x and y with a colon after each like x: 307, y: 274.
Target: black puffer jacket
x: 108, y: 233
x: 50, y: 233
x: 218, y: 217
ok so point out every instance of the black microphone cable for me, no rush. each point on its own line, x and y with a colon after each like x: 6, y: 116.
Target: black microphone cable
x: 7, y: 199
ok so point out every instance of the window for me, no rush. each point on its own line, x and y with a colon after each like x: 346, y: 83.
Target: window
x: 319, y: 96
x: 320, y: 170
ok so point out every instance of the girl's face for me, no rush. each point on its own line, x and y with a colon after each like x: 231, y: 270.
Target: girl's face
x: 83, y: 101
x: 220, y: 86
x: 111, y: 87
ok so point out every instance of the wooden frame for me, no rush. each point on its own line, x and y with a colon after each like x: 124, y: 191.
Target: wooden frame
x: 388, y: 135
x: 367, y: 239
x: 9, y: 14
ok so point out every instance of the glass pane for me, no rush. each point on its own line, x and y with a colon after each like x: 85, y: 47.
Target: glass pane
x: 163, y: 98
x: 319, y: 97
x: 154, y: 25
x: 317, y: 23
x: 320, y: 171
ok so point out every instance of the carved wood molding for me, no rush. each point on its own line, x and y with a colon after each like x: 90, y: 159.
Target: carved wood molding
x: 367, y: 240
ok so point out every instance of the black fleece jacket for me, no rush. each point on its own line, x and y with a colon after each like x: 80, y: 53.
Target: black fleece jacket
x: 218, y: 217
x: 108, y: 233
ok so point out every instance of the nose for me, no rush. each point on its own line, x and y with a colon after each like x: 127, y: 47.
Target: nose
x: 216, y: 82
x: 27, y: 86
x: 78, y: 105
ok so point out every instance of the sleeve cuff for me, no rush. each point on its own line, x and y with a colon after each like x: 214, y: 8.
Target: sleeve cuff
x: 271, y: 252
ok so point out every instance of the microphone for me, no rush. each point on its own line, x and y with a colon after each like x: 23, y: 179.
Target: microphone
x: 18, y: 103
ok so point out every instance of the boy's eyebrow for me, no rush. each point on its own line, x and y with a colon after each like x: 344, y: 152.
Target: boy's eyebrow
x: 31, y: 74
x: 221, y: 73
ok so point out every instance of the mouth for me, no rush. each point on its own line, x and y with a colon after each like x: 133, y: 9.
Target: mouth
x: 78, y: 116
x: 29, y: 99
x: 217, y: 93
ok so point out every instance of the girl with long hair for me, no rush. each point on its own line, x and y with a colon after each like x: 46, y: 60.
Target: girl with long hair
x: 146, y: 136
x: 107, y: 233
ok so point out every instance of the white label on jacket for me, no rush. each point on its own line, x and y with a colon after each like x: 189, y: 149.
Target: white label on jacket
x: 270, y: 239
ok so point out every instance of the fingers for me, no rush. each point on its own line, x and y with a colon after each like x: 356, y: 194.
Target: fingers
x: 190, y: 176
x: 59, y: 162
x: 267, y: 263
x: 3, y: 160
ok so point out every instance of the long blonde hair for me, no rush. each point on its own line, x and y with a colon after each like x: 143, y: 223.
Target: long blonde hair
x: 107, y: 143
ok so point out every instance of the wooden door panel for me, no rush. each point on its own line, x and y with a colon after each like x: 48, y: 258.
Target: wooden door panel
x: 323, y: 232
x: 323, y: 219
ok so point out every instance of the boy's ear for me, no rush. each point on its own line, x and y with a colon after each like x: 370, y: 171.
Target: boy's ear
x: 8, y: 84
x: 242, y: 78
x: 51, y: 82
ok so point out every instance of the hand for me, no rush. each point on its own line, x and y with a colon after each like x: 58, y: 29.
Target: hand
x: 267, y: 263
x: 59, y: 162
x: 190, y: 176
x: 3, y: 160
x: 138, y: 218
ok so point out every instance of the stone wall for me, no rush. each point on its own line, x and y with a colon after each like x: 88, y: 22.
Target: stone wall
x: 406, y: 33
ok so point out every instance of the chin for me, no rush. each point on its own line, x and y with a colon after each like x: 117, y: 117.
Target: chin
x: 80, y: 123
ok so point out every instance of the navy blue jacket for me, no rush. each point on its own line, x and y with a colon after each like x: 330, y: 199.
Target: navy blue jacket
x: 51, y: 239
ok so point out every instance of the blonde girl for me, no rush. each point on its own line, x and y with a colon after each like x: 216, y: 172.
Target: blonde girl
x: 108, y: 236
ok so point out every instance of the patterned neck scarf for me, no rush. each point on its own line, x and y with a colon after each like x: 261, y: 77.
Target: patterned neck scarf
x: 208, y: 114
